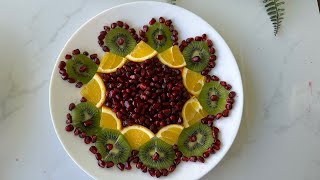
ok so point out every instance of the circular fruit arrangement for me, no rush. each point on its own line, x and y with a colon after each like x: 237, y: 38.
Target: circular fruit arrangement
x: 150, y: 100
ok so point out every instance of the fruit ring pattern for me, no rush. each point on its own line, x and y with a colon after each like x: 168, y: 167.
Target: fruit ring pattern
x: 150, y: 101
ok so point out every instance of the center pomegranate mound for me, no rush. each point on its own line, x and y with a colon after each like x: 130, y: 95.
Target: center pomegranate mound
x: 148, y: 93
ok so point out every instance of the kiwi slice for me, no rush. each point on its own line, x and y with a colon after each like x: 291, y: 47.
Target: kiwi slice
x: 86, y: 116
x: 121, y: 149
x: 210, y: 89
x: 120, y: 41
x: 159, y: 37
x: 164, y: 151
x: 204, y: 140
x: 80, y: 60
x: 200, y: 49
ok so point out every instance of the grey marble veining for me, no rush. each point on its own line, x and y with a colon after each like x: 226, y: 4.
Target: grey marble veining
x: 280, y: 131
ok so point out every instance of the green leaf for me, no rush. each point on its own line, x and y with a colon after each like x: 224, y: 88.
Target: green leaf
x: 276, y: 12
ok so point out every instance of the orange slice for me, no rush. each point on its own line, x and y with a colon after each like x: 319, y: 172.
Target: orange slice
x: 141, y: 52
x: 109, y: 119
x: 192, y: 112
x: 170, y: 133
x: 137, y: 135
x: 110, y: 63
x: 172, y: 57
x: 192, y: 81
x: 95, y: 91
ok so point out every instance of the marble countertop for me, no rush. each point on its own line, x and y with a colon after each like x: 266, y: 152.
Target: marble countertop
x: 280, y: 130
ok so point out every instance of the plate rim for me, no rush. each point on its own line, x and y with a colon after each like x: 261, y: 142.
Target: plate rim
x: 241, y: 100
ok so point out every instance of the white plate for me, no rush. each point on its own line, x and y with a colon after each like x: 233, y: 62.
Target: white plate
x: 138, y: 14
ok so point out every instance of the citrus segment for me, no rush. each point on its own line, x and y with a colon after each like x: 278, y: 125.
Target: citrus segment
x: 192, y: 112
x: 95, y: 91
x: 141, y: 52
x: 137, y: 135
x: 110, y: 63
x: 109, y: 119
x: 192, y: 81
x: 172, y: 57
x: 170, y: 133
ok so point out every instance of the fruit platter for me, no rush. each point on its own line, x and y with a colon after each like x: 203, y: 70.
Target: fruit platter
x: 145, y: 99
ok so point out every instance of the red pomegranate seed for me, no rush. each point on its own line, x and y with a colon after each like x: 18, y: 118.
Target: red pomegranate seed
x: 109, y: 147
x: 204, y: 37
x: 184, y: 158
x: 93, y: 56
x: 158, y: 173
x: 206, y: 154
x: 105, y: 49
x: 120, y: 41
x: 156, y: 156
x: 193, y: 138
x: 106, y: 28
x: 210, y: 43
x: 168, y: 22
x: 126, y: 26
x: 69, y: 116
x: 152, y: 21
x: 62, y: 65
x: 196, y: 59
x: 120, y: 166
x: 172, y: 168
x: 68, y: 56
x: 193, y: 158
x: 214, y: 98
x: 225, y: 113
x: 83, y: 99
x: 160, y: 37
x: 232, y: 94
x: 71, y: 80
x: 144, y: 169
x: 65, y: 77
x: 75, y: 52
x: 101, y: 163
x: 162, y: 20
x: 201, y: 159
x: 215, y: 78
x: 77, y: 131
x: 68, y: 121
x: 113, y: 25
x: 228, y: 106
x: 82, y: 135
x: 210, y: 123
x: 85, y: 52
x: 83, y: 68
x: 110, y: 164
x: 219, y: 115
x: 198, y: 38
x: 211, y: 150
x: 63, y: 72
x: 164, y: 172
x: 152, y: 172
x: 216, y: 147
x: 87, y: 140
x: 79, y: 84
x: 127, y: 166
x: 139, y: 165
x: 98, y: 156
x: 230, y: 101
x: 69, y: 128
x: 88, y: 123
x: 97, y: 61
x: 135, y: 160
x: 178, y: 154
x: 177, y: 161
x: 215, y: 130
x: 218, y: 142
x: 213, y: 57
x: 120, y: 23
x: 145, y: 28
x: 134, y: 152
x: 71, y: 106
x: 93, y: 149
x: 223, y: 83
x: 94, y: 138
x: 212, y: 50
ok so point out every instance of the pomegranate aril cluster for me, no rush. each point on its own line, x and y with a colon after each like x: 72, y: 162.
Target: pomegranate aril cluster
x: 149, y: 94
x: 162, y: 20
x: 212, y: 51
x: 63, y: 71
x: 114, y: 25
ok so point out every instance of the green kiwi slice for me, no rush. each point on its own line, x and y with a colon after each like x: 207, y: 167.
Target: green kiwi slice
x: 121, y: 149
x: 204, y: 140
x: 86, y: 116
x: 116, y: 35
x: 164, y: 150
x: 159, y: 37
x: 77, y: 61
x: 196, y: 48
x: 209, y: 89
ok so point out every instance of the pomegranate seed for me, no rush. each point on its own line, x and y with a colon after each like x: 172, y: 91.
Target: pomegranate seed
x: 87, y: 140
x: 93, y: 149
x: 79, y: 84
x: 127, y: 166
x: 110, y: 164
x: 213, y: 58
x: 228, y: 106
x: 223, y: 83
x: 162, y: 20
x: 178, y: 154
x: 93, y: 138
x: 230, y: 101
x: 196, y: 59
x: 71, y: 106
x: 214, y: 98
x: 68, y: 56
x: 189, y: 40
x: 68, y: 121
x: 97, y: 61
x: 158, y: 173
x: 152, y: 21
x: 193, y: 158
x: 75, y: 52
x: 216, y: 147
x: 215, y: 78
x: 126, y: 26
x: 88, y: 123
x: 215, y: 130
x: 206, y: 154
x: 156, y: 156
x: 109, y: 147
x: 209, y: 42
x: 69, y: 116
x: 211, y: 150
x: 152, y: 172
x: 184, y: 158
x: 106, y: 28
x: 204, y: 37
x: 135, y: 160
x: 65, y: 77
x: 101, y: 163
x: 71, y: 80
x: 63, y: 72
x: 113, y: 25
x: 177, y: 161
x: 145, y: 28
x: 134, y: 152
x: 210, y: 123
x: 82, y: 135
x: 85, y: 52
x: 201, y: 159
x: 175, y: 33
x: 139, y: 165
x: 120, y: 41
x: 160, y: 37
x: 144, y: 169
x: 164, y: 172
x: 120, y: 166
x: 105, y: 49
x: 83, y: 99
x: 212, y: 50
x: 219, y: 115
x: 198, y: 38
x: 225, y: 113
x: 172, y: 168
x: 62, y: 65
x: 120, y: 23
x: 218, y: 142
x: 98, y: 156
x: 232, y: 94
x: 193, y: 138
x: 77, y: 131
x: 168, y: 22
x: 69, y: 128
x: 93, y: 56
x: 83, y: 68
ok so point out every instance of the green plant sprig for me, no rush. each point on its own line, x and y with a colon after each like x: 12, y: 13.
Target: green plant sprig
x: 276, y: 13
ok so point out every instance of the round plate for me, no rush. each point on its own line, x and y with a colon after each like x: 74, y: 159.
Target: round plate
x: 136, y: 15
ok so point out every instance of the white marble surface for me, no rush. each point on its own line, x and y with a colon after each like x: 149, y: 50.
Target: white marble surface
x: 280, y: 131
